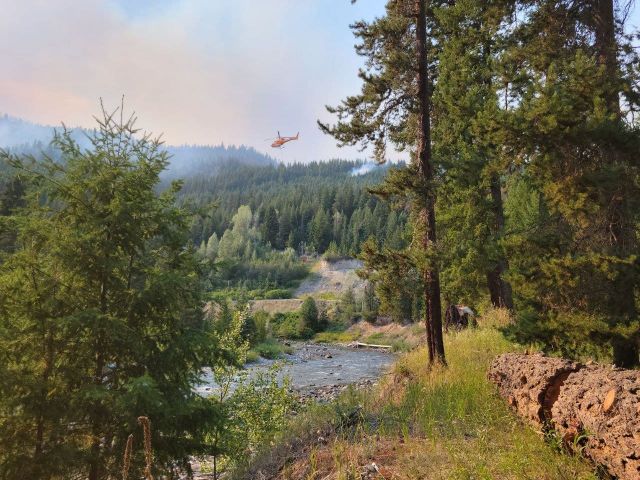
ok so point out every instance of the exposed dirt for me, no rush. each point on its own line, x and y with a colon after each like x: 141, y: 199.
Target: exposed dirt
x: 328, y: 280
x: 332, y: 278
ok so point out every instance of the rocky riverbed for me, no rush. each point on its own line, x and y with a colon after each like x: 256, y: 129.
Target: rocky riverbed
x: 318, y: 373
x: 322, y: 371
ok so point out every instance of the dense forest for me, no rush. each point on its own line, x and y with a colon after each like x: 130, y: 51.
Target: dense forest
x: 301, y: 206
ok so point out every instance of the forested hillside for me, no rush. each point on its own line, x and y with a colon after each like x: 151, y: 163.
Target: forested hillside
x: 301, y: 206
x: 27, y: 138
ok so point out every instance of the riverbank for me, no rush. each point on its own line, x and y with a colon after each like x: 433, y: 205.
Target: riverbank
x: 417, y: 423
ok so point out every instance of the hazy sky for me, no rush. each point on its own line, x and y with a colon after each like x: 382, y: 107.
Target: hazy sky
x: 199, y: 71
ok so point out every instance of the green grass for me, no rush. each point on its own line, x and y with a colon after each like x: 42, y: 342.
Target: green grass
x: 337, y: 332
x: 270, y: 349
x: 397, y: 343
x: 328, y: 296
x: 439, y: 423
x: 335, y: 337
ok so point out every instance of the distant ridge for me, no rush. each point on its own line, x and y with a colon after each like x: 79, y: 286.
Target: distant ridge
x: 22, y: 136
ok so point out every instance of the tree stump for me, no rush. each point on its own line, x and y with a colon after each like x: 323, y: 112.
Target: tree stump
x: 457, y: 317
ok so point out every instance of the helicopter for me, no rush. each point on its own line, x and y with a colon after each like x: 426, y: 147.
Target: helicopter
x: 280, y: 141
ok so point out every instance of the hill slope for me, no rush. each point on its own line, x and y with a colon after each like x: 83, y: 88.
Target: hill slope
x: 22, y: 136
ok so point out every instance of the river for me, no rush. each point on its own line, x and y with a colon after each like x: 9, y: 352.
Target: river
x: 316, y: 367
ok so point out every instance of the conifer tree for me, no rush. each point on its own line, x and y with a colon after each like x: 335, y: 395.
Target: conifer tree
x: 100, y: 313
x: 471, y: 206
x: 309, y: 314
x: 570, y: 127
x: 395, y: 106
x: 270, y: 227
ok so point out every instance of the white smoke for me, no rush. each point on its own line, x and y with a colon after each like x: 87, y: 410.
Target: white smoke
x: 363, y: 169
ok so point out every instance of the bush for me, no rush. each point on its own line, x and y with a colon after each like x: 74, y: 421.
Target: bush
x: 323, y: 321
x: 277, y: 293
x: 269, y: 349
x: 370, y: 316
x: 261, y: 319
x: 249, y: 330
x: 286, y: 325
x: 252, y: 356
x: 309, y: 315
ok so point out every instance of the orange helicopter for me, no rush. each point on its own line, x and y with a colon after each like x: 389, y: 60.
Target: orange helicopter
x: 280, y: 141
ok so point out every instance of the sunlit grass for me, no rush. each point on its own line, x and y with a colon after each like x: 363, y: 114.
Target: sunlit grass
x: 432, y: 423
x: 336, y: 337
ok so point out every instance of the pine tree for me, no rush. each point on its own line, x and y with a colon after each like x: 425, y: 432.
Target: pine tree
x: 471, y: 207
x: 212, y: 246
x: 100, y: 313
x: 270, y: 227
x: 309, y: 315
x: 320, y: 231
x: 576, y: 146
x: 395, y: 106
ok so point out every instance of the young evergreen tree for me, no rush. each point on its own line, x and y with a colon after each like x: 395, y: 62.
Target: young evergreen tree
x: 309, y: 314
x: 471, y: 207
x: 100, y: 314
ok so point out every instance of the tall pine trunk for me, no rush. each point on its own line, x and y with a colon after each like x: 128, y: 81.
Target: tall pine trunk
x: 499, y: 289
x: 433, y: 309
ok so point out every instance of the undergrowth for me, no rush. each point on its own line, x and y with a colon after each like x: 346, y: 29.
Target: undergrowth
x: 439, y: 423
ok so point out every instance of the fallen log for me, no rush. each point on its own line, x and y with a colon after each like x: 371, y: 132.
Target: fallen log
x: 593, y: 408
x: 525, y: 381
x: 599, y: 409
x: 367, y: 345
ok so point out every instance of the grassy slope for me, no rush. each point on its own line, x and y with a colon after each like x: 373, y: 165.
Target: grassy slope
x: 447, y: 423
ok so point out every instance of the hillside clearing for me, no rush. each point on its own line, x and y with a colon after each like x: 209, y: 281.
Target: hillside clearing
x: 331, y: 278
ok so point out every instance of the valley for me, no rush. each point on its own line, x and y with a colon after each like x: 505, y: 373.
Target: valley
x: 366, y: 240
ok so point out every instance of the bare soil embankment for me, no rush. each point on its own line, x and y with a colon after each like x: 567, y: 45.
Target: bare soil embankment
x: 328, y: 280
x: 332, y: 278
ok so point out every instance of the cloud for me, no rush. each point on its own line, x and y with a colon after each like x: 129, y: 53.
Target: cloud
x: 201, y: 71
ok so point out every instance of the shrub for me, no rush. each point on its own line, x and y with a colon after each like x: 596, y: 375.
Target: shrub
x: 270, y: 349
x: 277, y: 293
x: 286, y: 325
x: 309, y: 315
x: 252, y: 356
